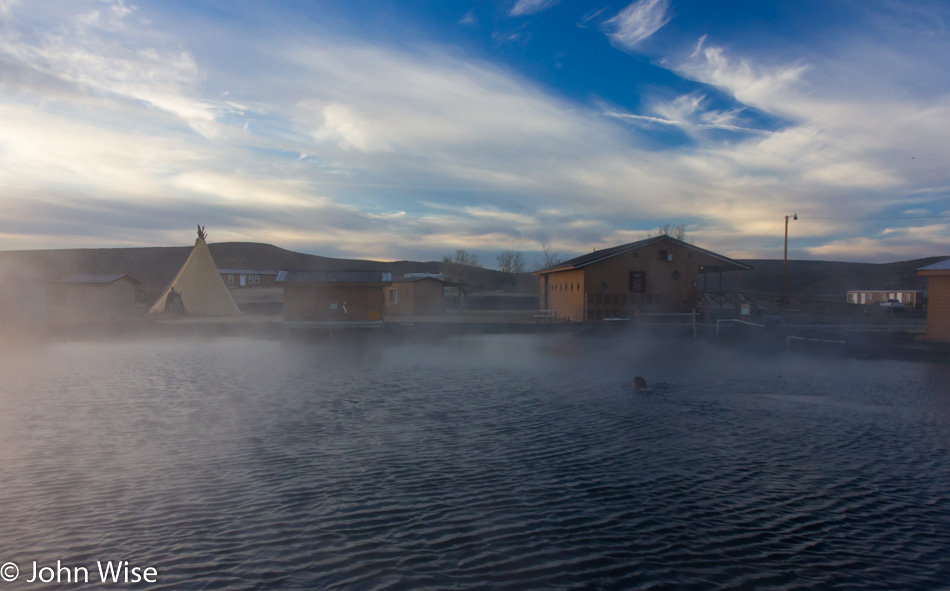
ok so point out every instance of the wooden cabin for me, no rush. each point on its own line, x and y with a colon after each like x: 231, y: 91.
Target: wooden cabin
x: 238, y: 278
x: 334, y: 297
x: 415, y: 296
x: 656, y: 275
x: 938, y: 300
x: 89, y: 297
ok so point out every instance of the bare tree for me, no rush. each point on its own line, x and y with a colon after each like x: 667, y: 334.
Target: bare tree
x: 677, y: 231
x: 550, y: 258
x: 460, y: 268
x: 511, y: 262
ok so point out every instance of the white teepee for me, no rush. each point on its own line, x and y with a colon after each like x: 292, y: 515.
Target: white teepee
x: 200, y: 287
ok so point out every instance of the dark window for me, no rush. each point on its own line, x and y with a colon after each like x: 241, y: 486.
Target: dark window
x: 638, y: 282
x: 676, y: 275
x: 662, y: 256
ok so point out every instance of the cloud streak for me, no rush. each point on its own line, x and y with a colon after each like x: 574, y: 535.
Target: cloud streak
x: 528, y: 7
x: 637, y: 22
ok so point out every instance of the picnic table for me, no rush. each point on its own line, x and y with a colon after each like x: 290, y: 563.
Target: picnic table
x: 546, y: 316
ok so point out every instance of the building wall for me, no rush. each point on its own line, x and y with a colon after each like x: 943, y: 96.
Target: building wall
x: 428, y: 297
x: 93, y: 302
x: 417, y: 298
x: 563, y: 292
x: 404, y: 299
x: 314, y: 303
x: 670, y: 285
x: 234, y: 280
x: 938, y: 308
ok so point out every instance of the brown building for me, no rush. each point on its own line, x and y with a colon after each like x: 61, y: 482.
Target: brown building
x: 908, y: 297
x: 91, y: 297
x: 248, y: 278
x: 659, y: 274
x: 938, y: 300
x: 334, y: 297
x: 415, y: 296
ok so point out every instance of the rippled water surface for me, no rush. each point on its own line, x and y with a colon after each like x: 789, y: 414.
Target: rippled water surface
x: 482, y: 462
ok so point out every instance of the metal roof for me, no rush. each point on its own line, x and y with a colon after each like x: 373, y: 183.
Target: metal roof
x: 941, y: 266
x: 606, y: 253
x: 334, y: 277
x: 246, y: 272
x: 97, y: 278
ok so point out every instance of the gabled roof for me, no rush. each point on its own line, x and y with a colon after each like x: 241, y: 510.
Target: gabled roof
x: 334, y: 277
x: 935, y: 269
x: 606, y: 253
x: 98, y: 278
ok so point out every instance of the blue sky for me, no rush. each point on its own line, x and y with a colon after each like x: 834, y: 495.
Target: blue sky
x: 396, y: 130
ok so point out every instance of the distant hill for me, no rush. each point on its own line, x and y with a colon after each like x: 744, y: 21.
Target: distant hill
x: 829, y: 278
x: 156, y: 266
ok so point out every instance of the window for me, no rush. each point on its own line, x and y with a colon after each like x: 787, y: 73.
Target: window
x: 230, y: 278
x: 393, y: 295
x: 638, y: 282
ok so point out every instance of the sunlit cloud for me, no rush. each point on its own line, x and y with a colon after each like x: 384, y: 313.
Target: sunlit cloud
x: 346, y: 145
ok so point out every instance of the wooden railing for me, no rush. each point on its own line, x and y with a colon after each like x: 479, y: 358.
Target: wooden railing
x: 722, y: 299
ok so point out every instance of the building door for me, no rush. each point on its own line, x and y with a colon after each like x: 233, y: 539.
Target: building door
x: 243, y: 280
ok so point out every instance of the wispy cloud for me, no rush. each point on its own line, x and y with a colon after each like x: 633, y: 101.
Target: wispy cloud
x: 690, y: 113
x: 526, y: 7
x: 637, y: 23
x: 101, y: 55
x: 415, y: 149
x: 762, y: 87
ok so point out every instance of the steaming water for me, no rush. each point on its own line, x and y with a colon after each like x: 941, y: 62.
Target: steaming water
x: 491, y: 462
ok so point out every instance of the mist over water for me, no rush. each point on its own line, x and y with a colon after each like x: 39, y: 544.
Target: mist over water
x: 478, y: 462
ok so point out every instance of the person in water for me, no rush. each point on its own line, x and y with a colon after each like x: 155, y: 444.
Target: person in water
x: 639, y: 384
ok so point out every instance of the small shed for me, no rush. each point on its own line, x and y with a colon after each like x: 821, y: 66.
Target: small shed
x: 334, y: 297
x: 656, y: 275
x: 91, y: 297
x: 938, y: 300
x: 237, y: 278
x: 415, y: 296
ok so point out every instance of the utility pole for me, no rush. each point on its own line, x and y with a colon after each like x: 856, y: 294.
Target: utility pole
x: 785, y: 265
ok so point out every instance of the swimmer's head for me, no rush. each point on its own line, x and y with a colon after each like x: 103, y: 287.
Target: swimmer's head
x: 639, y: 383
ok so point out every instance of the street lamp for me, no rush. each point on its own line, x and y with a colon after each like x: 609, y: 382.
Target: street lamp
x: 785, y: 264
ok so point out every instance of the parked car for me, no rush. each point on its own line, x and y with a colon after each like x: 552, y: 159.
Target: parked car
x: 892, y: 304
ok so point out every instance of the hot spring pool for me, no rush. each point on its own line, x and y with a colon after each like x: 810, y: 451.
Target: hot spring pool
x: 481, y: 462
